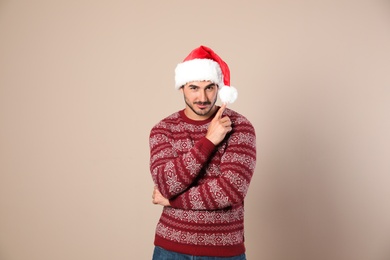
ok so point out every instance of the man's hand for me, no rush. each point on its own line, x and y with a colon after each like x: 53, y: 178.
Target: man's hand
x: 158, y: 198
x: 219, y: 127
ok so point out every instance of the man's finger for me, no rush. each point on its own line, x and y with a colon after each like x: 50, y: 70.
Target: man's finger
x: 220, y: 111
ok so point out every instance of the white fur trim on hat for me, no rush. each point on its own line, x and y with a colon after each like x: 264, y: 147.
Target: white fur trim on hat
x: 198, y: 70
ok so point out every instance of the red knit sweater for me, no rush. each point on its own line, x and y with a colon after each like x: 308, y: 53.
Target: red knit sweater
x: 206, y: 184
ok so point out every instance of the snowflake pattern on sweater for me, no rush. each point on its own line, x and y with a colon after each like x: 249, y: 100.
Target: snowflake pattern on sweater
x: 206, y: 184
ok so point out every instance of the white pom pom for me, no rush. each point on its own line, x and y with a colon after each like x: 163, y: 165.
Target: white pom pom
x: 228, y: 94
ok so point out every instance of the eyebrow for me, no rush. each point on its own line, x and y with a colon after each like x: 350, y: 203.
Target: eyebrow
x: 209, y: 85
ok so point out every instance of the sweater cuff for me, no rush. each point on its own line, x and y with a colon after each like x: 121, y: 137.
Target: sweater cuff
x: 205, y: 146
x: 174, y: 203
x: 178, y: 201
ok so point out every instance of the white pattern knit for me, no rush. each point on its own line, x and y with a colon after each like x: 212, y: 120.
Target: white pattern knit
x: 205, y: 184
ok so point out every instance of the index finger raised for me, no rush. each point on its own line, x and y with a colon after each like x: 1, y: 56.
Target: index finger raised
x: 220, y: 111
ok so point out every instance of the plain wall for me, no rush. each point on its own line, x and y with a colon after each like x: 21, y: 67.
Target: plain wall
x: 82, y: 83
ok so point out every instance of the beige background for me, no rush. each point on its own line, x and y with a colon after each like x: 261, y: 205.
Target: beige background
x: 82, y: 82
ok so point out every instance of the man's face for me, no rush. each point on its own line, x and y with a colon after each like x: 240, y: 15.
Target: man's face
x: 200, y: 98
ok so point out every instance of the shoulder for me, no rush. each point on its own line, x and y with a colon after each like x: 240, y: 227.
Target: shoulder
x: 237, y: 118
x: 168, y: 121
x: 243, y: 132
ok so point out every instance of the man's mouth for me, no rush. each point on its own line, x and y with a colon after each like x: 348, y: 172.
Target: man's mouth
x: 202, y: 105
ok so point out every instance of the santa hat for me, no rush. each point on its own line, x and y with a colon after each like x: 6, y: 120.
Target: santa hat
x: 204, y: 64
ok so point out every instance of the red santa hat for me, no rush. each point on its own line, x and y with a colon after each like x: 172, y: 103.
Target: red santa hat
x: 204, y: 64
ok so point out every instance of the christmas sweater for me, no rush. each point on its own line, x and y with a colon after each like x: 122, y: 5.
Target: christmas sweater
x: 205, y: 184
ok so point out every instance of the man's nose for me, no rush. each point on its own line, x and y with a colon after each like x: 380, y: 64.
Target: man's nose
x: 202, y: 96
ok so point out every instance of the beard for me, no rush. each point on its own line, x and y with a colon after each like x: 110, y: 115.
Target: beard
x: 201, y: 112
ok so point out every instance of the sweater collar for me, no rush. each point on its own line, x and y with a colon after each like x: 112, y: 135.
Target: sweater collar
x: 197, y: 122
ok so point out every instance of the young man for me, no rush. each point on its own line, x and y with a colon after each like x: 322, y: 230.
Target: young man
x: 202, y: 159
